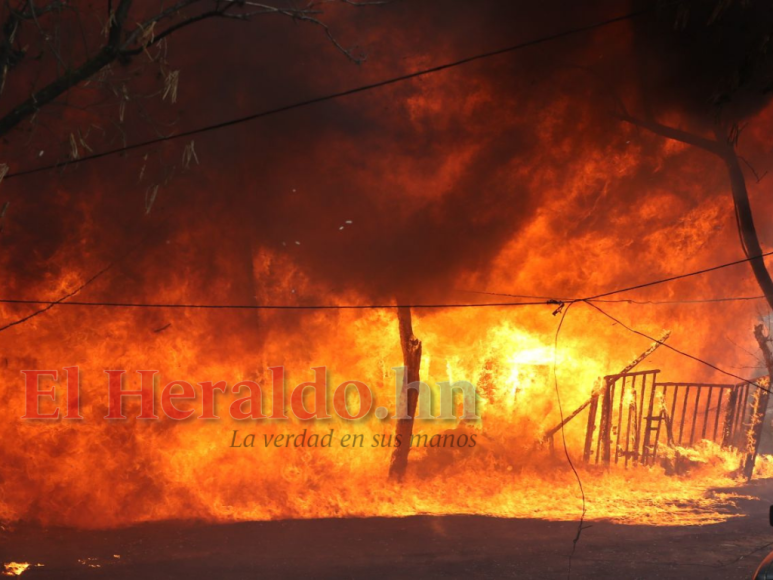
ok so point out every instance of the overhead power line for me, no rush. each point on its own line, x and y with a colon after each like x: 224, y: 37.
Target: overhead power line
x: 676, y: 350
x: 599, y: 297
x: 686, y: 301
x: 632, y: 300
x: 539, y: 300
x: 265, y: 306
x: 679, y: 277
x: 330, y: 96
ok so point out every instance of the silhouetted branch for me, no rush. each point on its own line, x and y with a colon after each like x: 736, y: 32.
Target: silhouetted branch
x: 672, y: 133
x: 121, y: 44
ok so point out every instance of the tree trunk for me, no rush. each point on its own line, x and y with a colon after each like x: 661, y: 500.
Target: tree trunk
x: 746, y: 227
x: 760, y: 407
x: 411, y: 361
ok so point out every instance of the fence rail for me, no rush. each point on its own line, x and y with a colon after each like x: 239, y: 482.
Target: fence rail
x: 632, y: 414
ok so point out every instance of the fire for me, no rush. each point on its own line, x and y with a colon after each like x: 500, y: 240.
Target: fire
x: 89, y: 562
x: 579, y: 205
x: 186, y: 469
x: 15, y: 568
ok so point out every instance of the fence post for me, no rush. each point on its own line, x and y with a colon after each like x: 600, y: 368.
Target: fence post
x: 754, y: 434
x: 727, y: 427
x: 605, y: 434
x: 594, y: 404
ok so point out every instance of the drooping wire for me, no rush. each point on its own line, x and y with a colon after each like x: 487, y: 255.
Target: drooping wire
x: 632, y: 300
x: 676, y: 350
x: 563, y: 442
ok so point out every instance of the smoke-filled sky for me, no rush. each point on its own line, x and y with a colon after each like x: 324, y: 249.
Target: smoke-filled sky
x: 509, y: 174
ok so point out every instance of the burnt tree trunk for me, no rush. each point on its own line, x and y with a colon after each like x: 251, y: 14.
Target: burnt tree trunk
x: 751, y: 246
x: 411, y: 361
x: 760, y: 407
x: 746, y: 227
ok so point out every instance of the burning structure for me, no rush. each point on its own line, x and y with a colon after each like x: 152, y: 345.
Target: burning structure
x: 490, y: 200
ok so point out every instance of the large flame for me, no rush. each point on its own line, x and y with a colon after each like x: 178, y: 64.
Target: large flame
x: 467, y: 192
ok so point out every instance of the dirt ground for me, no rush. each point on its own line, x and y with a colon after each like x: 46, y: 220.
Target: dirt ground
x: 419, y: 547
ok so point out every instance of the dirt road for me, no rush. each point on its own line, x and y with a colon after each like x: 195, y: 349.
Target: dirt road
x: 418, y: 547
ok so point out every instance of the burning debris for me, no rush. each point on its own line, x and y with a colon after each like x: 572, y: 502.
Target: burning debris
x: 15, y: 568
x: 18, y: 568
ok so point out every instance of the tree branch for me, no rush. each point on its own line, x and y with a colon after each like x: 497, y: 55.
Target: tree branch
x: 56, y: 88
x: 673, y: 133
x: 121, y: 44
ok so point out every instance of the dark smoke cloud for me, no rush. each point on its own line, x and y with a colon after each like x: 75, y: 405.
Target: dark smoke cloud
x: 430, y: 172
x: 437, y: 174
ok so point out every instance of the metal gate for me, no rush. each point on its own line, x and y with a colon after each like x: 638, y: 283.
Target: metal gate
x: 632, y: 414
